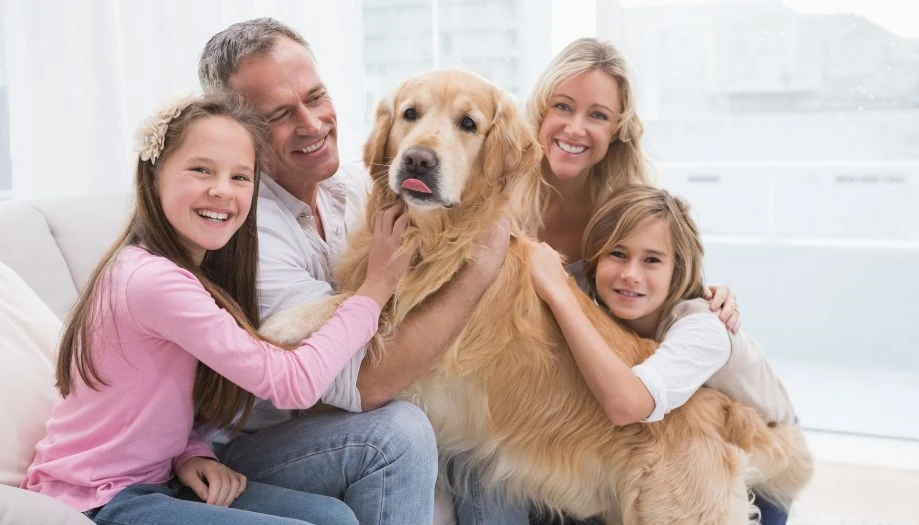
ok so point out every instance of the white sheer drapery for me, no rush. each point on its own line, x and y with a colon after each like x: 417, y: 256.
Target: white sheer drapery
x: 82, y: 76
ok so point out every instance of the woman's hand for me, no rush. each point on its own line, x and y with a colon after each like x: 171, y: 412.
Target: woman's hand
x: 722, y: 299
x: 547, y: 271
x: 388, y: 259
x: 214, y: 483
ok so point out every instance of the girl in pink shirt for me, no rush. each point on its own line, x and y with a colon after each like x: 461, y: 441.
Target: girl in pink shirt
x: 163, y: 338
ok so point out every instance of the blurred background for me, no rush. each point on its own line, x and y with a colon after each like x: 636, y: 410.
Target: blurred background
x: 791, y: 126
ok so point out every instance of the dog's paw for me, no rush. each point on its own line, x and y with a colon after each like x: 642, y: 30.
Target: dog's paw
x: 295, y: 324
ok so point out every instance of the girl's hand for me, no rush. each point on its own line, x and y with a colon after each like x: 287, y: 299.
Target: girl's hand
x: 722, y: 299
x: 214, y: 483
x: 547, y: 271
x: 388, y: 259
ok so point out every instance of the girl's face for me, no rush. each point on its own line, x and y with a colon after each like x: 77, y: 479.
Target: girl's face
x: 205, y: 185
x: 633, y: 280
x: 579, y: 123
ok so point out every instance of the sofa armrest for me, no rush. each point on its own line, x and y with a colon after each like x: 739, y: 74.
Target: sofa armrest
x: 18, y: 506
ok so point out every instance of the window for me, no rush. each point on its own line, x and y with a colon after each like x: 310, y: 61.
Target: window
x: 6, y: 173
x: 794, y: 133
x: 503, y: 40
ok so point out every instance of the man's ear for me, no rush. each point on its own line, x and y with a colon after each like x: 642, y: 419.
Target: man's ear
x: 375, y: 158
x: 511, y: 145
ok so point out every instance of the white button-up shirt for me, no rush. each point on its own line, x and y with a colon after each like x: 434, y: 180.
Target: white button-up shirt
x: 295, y: 264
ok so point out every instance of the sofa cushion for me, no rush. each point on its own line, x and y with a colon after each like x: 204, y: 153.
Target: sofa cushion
x: 29, y: 334
x: 19, y: 506
x: 27, y: 246
x: 84, y: 228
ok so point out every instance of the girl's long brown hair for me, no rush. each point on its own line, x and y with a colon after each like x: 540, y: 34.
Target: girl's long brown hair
x: 228, y: 273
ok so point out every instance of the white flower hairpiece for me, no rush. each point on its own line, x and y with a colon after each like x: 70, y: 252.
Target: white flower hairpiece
x: 151, y: 135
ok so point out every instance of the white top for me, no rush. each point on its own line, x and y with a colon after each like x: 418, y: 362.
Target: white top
x: 696, y: 351
x: 690, y: 353
x: 295, y: 265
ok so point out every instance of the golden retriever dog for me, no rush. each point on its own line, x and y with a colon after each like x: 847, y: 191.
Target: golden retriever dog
x: 507, y: 400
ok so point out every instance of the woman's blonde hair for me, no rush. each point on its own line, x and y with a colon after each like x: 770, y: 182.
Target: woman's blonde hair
x: 632, y: 207
x: 228, y: 273
x: 625, y: 162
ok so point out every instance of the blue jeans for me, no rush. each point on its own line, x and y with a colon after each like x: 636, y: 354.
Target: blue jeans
x: 174, y: 504
x: 474, y: 507
x: 770, y: 513
x: 382, y: 463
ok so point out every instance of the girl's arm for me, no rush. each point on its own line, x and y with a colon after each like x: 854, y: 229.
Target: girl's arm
x: 171, y: 306
x: 620, y: 392
x: 196, y: 447
x: 692, y: 351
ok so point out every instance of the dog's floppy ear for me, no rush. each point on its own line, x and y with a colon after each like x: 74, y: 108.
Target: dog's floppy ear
x: 511, y: 146
x: 375, y: 158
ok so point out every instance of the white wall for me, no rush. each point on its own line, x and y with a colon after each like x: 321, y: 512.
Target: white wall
x: 94, y: 70
x: 825, y: 272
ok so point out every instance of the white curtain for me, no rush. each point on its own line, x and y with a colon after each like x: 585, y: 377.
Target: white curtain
x: 83, y: 74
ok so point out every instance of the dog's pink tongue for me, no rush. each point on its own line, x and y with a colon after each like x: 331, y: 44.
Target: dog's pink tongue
x: 416, y: 185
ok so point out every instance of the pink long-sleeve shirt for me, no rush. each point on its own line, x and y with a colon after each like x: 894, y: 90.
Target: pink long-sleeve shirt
x: 159, y: 323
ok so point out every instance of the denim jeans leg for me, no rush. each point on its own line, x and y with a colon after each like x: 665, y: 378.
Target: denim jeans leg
x: 259, y: 505
x: 770, y: 513
x: 476, y: 507
x: 382, y: 463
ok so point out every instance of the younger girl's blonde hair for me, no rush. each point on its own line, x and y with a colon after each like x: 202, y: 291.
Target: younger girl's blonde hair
x: 632, y: 207
x: 625, y: 162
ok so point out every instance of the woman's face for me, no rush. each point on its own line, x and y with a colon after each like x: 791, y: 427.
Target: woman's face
x: 580, y: 123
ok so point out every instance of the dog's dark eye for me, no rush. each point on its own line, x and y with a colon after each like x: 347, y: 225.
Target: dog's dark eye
x: 410, y: 114
x: 467, y: 124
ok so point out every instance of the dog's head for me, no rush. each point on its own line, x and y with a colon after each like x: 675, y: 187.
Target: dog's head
x: 448, y: 137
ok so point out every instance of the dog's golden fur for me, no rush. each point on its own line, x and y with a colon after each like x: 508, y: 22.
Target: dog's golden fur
x: 507, y: 399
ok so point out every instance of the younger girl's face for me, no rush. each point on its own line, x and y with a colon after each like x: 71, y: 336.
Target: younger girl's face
x: 633, y: 280
x: 579, y: 123
x: 206, y: 184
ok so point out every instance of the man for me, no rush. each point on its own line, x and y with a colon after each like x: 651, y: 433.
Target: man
x: 383, y: 462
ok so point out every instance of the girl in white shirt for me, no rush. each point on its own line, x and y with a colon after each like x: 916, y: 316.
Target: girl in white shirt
x: 643, y: 263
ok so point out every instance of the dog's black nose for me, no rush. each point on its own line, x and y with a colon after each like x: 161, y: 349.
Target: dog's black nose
x: 419, y: 159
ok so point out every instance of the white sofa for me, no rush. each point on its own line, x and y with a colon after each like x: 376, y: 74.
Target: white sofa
x: 48, y: 249
x: 53, y: 246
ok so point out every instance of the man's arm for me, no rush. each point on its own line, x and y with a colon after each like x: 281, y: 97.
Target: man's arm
x: 430, y: 329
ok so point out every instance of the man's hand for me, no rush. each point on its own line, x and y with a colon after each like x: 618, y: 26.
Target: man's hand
x: 214, y: 483
x: 428, y: 331
x: 722, y: 299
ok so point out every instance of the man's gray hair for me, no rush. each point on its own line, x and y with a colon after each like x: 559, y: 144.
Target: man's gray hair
x: 225, y: 50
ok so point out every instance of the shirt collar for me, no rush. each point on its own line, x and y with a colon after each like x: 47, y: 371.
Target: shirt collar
x: 269, y: 188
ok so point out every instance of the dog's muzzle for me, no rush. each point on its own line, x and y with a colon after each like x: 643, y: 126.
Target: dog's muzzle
x: 417, y: 177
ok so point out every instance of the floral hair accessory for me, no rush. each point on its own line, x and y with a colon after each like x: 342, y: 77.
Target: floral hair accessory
x: 150, y: 137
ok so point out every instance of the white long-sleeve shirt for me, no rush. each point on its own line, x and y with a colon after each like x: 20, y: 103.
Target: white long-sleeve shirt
x: 295, y: 266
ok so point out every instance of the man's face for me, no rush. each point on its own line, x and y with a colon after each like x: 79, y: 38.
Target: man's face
x: 284, y: 86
